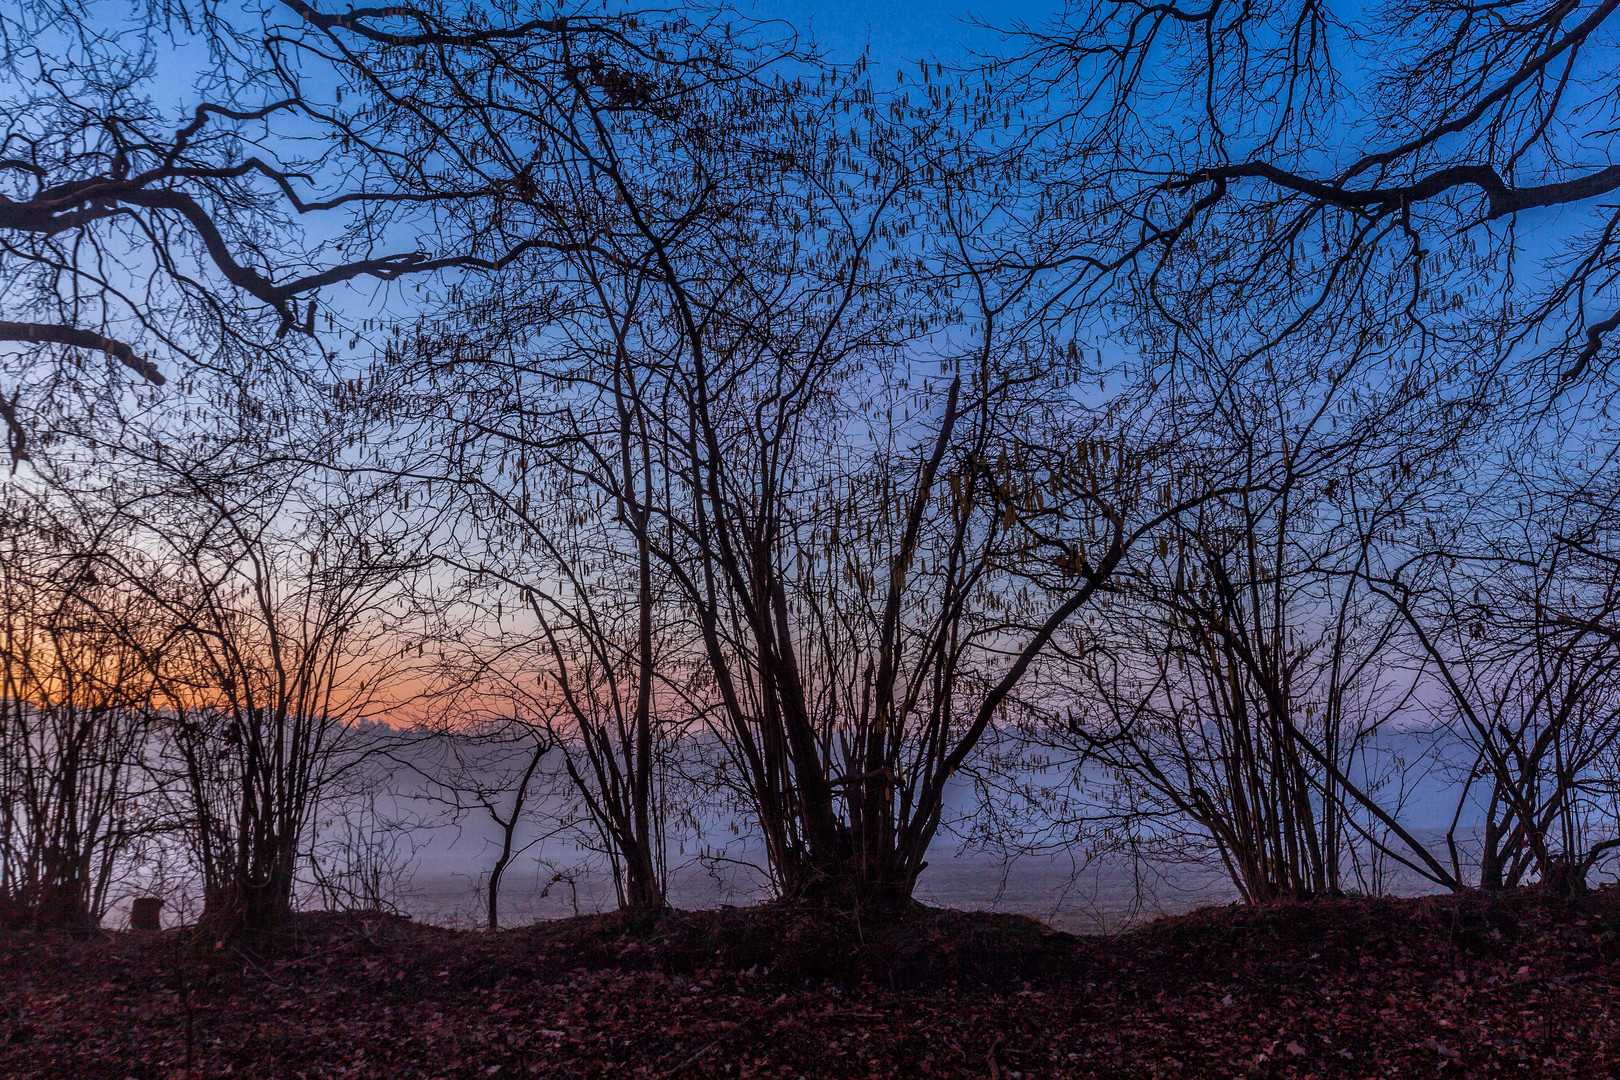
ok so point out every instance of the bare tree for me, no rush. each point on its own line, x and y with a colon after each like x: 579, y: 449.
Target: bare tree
x: 293, y: 613
x: 1521, y: 641
x: 76, y: 707
x: 1335, y: 280
x: 749, y: 293
x: 484, y: 755
x: 553, y: 449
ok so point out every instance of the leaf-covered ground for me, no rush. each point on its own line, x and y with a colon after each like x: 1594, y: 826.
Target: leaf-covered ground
x: 1447, y: 987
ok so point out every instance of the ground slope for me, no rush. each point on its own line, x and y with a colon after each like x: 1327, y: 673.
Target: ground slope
x: 1450, y: 987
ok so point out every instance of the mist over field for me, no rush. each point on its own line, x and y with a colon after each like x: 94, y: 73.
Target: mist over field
x: 433, y: 863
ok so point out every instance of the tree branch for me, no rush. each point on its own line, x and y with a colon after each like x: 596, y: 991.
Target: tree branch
x: 83, y: 339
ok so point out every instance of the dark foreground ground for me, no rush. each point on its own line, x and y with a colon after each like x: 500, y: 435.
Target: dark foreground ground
x: 1523, y: 986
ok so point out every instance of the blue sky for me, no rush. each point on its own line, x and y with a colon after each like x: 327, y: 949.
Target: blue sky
x: 904, y: 29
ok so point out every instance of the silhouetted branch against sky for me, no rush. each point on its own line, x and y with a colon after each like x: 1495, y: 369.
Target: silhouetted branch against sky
x: 160, y: 219
x: 1411, y: 173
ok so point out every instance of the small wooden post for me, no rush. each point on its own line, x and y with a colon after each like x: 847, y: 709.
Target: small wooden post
x: 144, y: 912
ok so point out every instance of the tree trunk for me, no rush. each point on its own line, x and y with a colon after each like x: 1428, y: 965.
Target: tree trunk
x: 257, y: 900
x: 492, y: 909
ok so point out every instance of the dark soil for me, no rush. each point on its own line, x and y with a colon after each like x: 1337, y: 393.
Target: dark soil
x: 1522, y: 985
